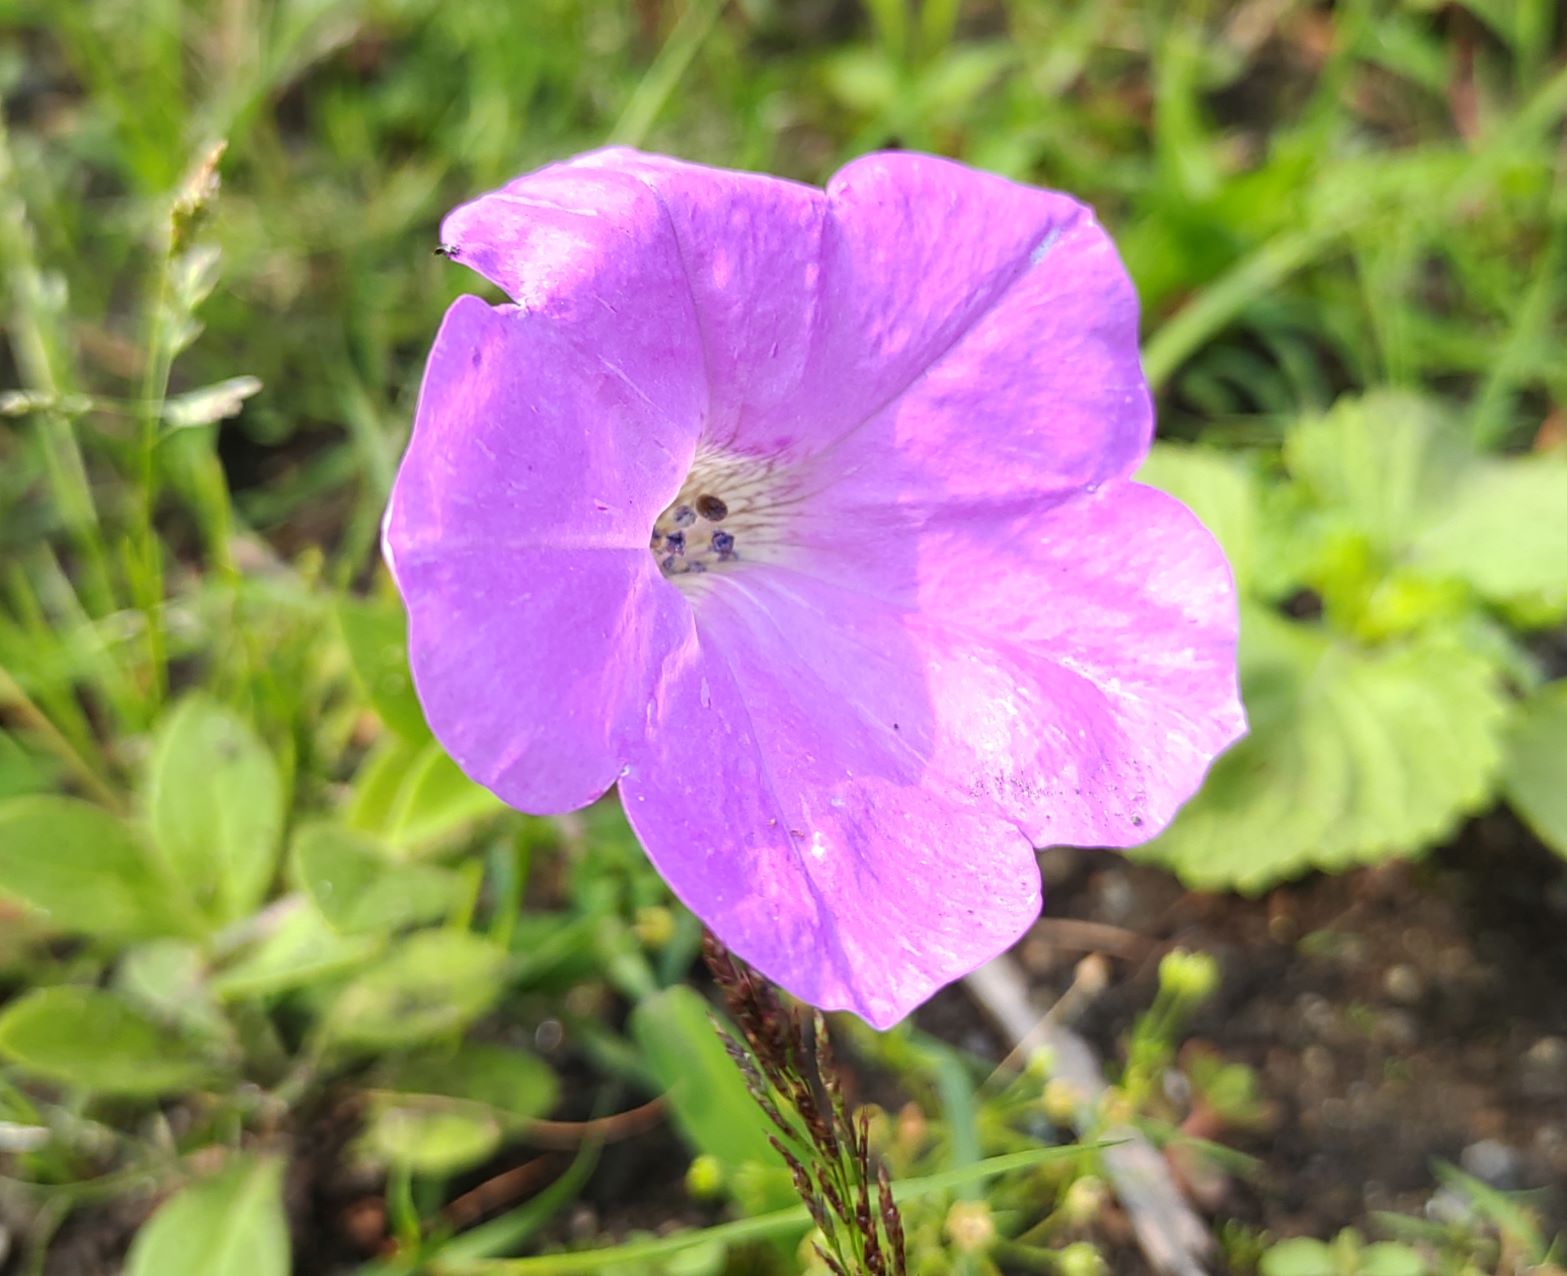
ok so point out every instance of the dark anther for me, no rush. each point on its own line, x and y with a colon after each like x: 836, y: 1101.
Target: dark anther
x: 656, y: 538
x: 723, y: 543
x: 668, y: 563
x: 677, y: 543
x: 695, y: 567
x: 711, y: 508
x: 684, y: 516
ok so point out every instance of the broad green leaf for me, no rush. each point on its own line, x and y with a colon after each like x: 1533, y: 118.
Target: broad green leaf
x: 358, y: 889
x: 1387, y: 1259
x: 432, y: 984
x: 303, y: 950
x: 97, y: 1041
x: 412, y: 795
x: 232, y: 1224
x: 430, y: 1139
x: 1354, y: 755
x: 168, y: 978
x: 512, y: 1083
x: 445, y: 1110
x: 1505, y: 533
x: 1387, y: 461
x: 379, y: 779
x: 1535, y: 778
x: 437, y: 799
x: 1299, y: 1256
x: 1220, y: 490
x: 83, y: 870
x: 707, y: 1096
x: 215, y: 800
x: 22, y: 771
x: 377, y: 638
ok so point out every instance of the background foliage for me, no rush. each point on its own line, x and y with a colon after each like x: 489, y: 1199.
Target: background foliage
x: 238, y: 878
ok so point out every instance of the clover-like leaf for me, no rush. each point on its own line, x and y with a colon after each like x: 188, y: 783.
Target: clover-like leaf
x: 1354, y: 755
x: 1535, y: 779
x: 1220, y: 490
x: 1505, y: 533
x: 1387, y: 461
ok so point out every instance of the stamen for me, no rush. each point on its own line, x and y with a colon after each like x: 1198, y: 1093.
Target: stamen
x: 753, y: 498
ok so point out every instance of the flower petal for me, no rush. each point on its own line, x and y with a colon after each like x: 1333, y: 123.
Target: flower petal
x: 524, y: 439
x: 751, y: 249
x: 535, y: 667
x: 517, y: 533
x: 1083, y: 650
x: 590, y: 252
x: 782, y: 795
x: 983, y: 333
x: 984, y: 328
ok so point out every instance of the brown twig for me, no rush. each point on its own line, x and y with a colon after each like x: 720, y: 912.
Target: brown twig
x: 605, y: 1129
x: 496, y: 1193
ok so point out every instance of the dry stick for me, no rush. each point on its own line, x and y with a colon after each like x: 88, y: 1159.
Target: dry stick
x: 1171, y: 1235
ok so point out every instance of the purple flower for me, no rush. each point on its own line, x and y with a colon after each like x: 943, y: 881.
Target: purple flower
x: 806, y: 516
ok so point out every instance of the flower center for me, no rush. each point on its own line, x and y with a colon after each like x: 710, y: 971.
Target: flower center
x: 723, y: 514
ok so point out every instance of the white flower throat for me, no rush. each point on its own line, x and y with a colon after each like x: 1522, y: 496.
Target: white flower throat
x: 728, y: 511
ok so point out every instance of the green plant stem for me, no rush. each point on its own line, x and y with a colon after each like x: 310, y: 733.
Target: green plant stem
x: 13, y: 696
x: 763, y: 1226
x: 648, y: 98
x: 39, y: 361
x: 1206, y: 314
x: 148, y: 580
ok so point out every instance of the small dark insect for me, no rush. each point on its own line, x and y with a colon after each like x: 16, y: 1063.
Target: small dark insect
x: 711, y: 508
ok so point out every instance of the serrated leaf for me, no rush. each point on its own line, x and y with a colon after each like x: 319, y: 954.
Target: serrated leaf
x: 706, y: 1094
x: 431, y: 984
x: 1219, y: 489
x: 83, y: 870
x: 1535, y: 776
x: 232, y: 1224
x: 1386, y: 460
x: 359, y: 890
x: 377, y: 639
x: 1354, y: 756
x: 98, y: 1042
x: 1505, y: 532
x: 215, y: 800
